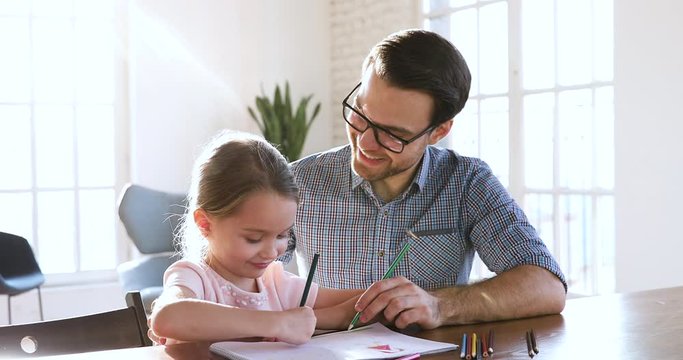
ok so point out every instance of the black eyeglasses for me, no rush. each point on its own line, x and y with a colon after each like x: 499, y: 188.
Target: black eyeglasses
x: 384, y: 137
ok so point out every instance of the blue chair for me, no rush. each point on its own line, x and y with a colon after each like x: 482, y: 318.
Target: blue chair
x: 150, y: 218
x: 19, y: 270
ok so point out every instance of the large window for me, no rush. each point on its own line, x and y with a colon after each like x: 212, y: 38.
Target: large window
x: 58, y: 131
x: 541, y: 114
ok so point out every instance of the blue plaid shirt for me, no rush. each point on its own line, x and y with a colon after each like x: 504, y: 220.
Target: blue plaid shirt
x: 455, y: 205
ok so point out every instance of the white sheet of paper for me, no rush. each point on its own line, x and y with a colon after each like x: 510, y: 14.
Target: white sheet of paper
x: 374, y: 341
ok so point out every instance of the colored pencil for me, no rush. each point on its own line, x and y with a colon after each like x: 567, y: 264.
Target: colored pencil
x: 463, y: 346
x: 468, y: 352
x: 474, y: 345
x: 490, y: 342
x: 529, y: 349
x: 309, y: 279
x: 479, y: 356
x: 533, y: 341
x: 389, y: 273
x: 484, y: 347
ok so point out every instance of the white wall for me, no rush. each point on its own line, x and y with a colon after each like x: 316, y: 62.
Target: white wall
x: 194, y: 68
x: 63, y: 301
x: 648, y: 136
x: 356, y: 26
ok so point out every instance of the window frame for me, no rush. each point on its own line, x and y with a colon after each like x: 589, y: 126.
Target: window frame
x: 121, y: 145
x: 516, y: 162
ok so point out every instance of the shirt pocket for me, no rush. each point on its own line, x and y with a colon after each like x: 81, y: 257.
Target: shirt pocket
x: 436, y: 259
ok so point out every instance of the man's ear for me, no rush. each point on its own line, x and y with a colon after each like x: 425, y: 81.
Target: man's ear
x: 440, y: 132
x: 201, y: 219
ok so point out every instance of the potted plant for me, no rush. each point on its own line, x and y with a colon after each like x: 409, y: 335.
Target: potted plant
x: 281, y: 123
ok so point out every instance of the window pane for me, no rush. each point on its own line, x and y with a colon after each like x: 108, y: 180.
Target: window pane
x: 56, y: 237
x: 439, y: 25
x: 538, y: 44
x: 95, y: 61
x: 605, y: 232
x: 465, y: 132
x: 495, y: 136
x: 494, y: 48
x: 15, y: 147
x: 603, y: 39
x: 14, y: 7
x: 576, y: 139
x: 14, y: 62
x: 576, y: 236
x: 61, y: 8
x: 463, y: 26
x: 16, y: 214
x: 95, y: 145
x: 432, y: 5
x: 539, y: 210
x: 604, y: 137
x: 53, y: 60
x: 574, y: 39
x: 54, y: 146
x: 539, y: 114
x: 94, y: 8
x: 98, y: 248
x: 456, y: 3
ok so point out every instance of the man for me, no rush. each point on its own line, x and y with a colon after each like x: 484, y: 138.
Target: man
x: 358, y: 201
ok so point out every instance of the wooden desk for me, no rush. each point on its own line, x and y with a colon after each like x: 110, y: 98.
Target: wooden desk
x: 638, y: 325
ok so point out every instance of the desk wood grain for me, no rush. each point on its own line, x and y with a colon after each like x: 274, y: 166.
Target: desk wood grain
x: 639, y: 325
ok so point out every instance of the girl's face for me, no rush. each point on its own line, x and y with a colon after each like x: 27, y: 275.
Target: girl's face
x: 243, y: 244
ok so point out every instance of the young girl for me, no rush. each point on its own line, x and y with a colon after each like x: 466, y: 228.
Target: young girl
x: 242, y: 204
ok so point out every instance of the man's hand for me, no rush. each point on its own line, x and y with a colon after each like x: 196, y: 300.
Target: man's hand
x: 399, y: 301
x: 523, y: 291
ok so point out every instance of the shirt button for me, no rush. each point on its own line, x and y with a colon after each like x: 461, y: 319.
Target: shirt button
x: 380, y: 253
x: 386, y: 213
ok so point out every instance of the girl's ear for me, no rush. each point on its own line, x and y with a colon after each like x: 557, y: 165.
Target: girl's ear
x: 201, y: 219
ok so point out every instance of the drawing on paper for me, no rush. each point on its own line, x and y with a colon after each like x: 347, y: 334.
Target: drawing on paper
x: 385, y: 348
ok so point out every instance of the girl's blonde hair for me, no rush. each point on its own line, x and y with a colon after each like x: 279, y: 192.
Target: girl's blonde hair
x: 232, y: 166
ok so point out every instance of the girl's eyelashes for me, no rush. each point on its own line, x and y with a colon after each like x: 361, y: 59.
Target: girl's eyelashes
x: 253, y: 241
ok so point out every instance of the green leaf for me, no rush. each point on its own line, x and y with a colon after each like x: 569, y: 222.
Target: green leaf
x: 281, y: 125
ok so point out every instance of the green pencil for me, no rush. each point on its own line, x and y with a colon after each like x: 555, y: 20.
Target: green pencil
x: 390, y: 271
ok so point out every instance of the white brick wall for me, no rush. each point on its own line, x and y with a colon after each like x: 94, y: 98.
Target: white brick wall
x: 357, y: 25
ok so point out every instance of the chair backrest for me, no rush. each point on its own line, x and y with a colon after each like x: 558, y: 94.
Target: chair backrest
x: 150, y: 217
x: 116, y: 329
x: 19, y: 270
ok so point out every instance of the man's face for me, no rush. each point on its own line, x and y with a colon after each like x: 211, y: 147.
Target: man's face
x: 405, y: 113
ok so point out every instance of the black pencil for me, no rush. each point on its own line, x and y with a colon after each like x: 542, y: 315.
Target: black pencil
x: 528, y: 345
x: 479, y: 350
x: 490, y: 342
x: 309, y: 280
x: 533, y: 341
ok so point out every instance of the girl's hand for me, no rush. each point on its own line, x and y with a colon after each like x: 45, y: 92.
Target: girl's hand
x: 297, y: 325
x: 155, y: 339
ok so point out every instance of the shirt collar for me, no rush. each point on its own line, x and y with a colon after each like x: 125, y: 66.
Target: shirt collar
x: 418, y: 181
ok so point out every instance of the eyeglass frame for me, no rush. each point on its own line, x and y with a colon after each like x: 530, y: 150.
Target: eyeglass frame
x: 375, y: 127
